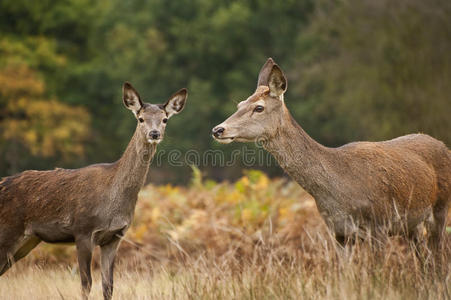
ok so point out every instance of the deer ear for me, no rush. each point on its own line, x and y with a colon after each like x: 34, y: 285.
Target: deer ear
x: 131, y: 98
x: 277, y: 82
x: 263, y: 76
x: 176, y: 103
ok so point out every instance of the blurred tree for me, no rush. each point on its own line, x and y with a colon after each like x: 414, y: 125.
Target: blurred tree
x: 356, y: 69
x: 32, y: 125
x: 213, y: 48
x: 375, y: 70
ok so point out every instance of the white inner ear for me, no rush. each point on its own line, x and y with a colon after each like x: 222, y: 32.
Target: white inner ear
x: 273, y: 93
x: 275, y: 86
x: 174, y: 106
x: 133, y: 102
x: 274, y: 90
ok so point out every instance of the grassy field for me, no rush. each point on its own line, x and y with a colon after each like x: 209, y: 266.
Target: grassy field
x: 252, y: 239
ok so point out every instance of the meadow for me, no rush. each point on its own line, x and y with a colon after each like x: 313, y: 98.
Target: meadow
x: 255, y: 238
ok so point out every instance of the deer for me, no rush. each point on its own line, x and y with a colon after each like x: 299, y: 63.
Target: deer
x: 91, y: 206
x: 400, y: 184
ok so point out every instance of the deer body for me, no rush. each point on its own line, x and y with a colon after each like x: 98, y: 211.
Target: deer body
x: 54, y: 205
x: 90, y: 206
x: 361, y: 185
x: 367, y: 184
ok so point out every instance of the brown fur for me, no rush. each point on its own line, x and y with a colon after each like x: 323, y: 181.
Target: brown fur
x: 91, y: 206
x: 363, y: 185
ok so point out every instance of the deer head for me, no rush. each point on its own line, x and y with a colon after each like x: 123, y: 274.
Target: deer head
x: 260, y: 115
x: 152, y: 118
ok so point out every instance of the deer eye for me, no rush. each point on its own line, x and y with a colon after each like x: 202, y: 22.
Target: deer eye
x: 165, y: 120
x: 259, y: 108
x: 141, y: 120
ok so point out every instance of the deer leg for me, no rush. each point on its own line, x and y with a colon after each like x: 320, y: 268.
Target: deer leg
x: 6, y: 260
x: 10, y: 241
x: 27, y: 245
x: 346, y: 231
x: 341, y: 239
x: 107, y: 257
x: 440, y: 212
x: 84, y: 254
x: 345, y: 240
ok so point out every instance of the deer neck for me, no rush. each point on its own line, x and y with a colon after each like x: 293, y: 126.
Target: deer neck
x: 304, y: 159
x: 132, y: 167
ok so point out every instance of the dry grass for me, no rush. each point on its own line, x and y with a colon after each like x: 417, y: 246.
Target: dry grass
x: 253, y: 239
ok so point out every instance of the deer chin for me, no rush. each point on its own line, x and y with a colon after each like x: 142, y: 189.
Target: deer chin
x: 244, y: 140
x: 227, y: 140
x: 154, y: 142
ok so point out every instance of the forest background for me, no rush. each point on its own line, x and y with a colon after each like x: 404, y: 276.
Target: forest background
x: 357, y: 70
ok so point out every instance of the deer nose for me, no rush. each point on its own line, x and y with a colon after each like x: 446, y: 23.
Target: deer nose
x: 154, y: 134
x: 217, y: 131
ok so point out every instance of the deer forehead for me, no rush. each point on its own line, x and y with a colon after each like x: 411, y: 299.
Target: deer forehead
x: 152, y: 111
x: 257, y: 97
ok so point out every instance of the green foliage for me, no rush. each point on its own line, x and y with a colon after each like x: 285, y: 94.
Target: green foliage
x: 376, y: 70
x: 356, y: 69
x: 33, y: 124
x: 196, y: 180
